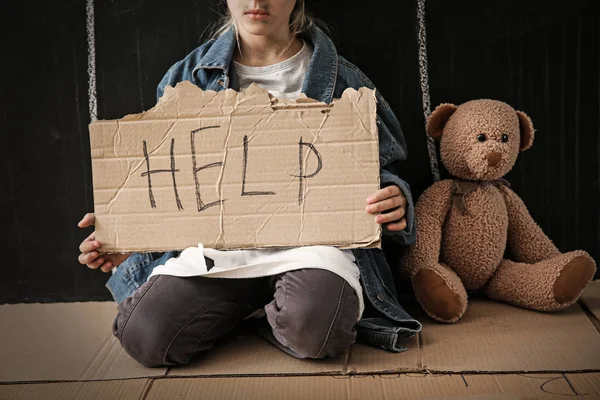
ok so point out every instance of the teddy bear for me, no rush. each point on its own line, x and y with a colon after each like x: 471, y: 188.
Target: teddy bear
x: 474, y: 232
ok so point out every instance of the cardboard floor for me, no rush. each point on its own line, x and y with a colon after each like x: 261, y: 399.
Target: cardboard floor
x: 66, y: 350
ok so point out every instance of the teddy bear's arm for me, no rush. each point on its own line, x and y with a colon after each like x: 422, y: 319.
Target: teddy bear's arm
x: 430, y: 214
x: 526, y: 240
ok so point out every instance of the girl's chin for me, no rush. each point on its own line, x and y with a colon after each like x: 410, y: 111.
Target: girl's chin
x: 258, y: 29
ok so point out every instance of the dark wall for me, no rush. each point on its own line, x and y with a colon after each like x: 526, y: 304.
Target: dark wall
x: 45, y: 164
x: 542, y: 57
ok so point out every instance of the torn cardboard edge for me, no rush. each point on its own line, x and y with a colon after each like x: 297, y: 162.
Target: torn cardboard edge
x: 218, y: 168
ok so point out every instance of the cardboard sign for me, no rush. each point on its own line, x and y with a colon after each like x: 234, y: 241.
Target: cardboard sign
x: 237, y: 170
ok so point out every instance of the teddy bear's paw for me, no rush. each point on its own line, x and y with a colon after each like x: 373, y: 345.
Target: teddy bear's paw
x: 574, y: 277
x: 437, y: 297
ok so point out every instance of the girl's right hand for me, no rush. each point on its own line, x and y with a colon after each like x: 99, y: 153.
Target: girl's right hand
x: 89, y: 250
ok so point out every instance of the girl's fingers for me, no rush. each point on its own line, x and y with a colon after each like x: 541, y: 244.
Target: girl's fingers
x: 107, y: 266
x: 87, y: 220
x: 87, y: 258
x: 391, y: 216
x: 383, y: 194
x: 385, y: 205
x: 96, y: 263
x: 89, y: 245
x: 397, y: 226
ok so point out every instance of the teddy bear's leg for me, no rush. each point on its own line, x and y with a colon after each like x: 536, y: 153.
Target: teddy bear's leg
x: 548, y: 285
x: 441, y: 293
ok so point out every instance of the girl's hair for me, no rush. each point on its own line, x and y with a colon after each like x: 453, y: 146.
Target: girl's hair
x: 300, y: 21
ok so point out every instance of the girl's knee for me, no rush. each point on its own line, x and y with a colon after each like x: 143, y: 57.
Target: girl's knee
x: 156, y: 328
x: 140, y: 330
x: 316, y: 319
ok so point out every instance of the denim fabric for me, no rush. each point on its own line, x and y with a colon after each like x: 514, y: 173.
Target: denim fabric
x: 328, y: 75
x: 134, y: 272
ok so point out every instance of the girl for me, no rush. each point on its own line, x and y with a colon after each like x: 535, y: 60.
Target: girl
x: 316, y: 299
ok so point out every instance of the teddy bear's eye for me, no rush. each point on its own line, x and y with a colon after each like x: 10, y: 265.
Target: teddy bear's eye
x: 481, y: 137
x: 504, y: 138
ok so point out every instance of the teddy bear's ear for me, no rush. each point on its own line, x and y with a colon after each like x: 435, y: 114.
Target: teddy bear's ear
x: 526, y: 128
x: 438, y: 118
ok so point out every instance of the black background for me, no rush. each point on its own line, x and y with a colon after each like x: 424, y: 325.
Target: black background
x: 542, y: 57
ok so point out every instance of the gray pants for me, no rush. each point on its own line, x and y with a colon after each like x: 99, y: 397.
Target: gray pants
x: 310, y: 313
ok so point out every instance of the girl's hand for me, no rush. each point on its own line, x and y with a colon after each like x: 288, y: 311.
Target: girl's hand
x: 390, y: 203
x: 89, y: 250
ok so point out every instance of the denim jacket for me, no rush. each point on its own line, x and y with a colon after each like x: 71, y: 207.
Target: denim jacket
x: 209, y: 67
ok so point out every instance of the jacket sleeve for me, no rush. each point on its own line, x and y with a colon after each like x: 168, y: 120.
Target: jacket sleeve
x: 392, y: 149
x: 168, y: 79
x: 183, y: 70
x: 180, y: 71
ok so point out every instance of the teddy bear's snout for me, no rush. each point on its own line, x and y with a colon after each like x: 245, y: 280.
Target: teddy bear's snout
x: 493, y: 158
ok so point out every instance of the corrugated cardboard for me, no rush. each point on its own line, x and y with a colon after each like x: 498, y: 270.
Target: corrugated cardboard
x: 587, y: 385
x: 591, y: 298
x: 132, y: 389
x: 498, y: 337
x: 237, y: 170
x: 584, y: 386
x: 63, y: 341
x: 303, y: 388
x: 73, y: 342
x: 493, y: 337
x: 404, y: 386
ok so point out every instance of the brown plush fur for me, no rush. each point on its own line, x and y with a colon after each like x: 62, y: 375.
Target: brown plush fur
x: 464, y: 225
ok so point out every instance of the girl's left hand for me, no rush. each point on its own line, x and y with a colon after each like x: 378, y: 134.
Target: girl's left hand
x: 390, y: 203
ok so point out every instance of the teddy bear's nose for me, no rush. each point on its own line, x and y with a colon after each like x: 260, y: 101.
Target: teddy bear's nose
x: 493, y: 158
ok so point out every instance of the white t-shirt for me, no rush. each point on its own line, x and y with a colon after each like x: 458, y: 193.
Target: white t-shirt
x: 282, y: 80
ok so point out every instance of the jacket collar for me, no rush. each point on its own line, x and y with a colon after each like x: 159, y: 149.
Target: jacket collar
x: 320, y: 79
x: 220, y: 53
